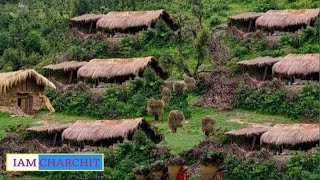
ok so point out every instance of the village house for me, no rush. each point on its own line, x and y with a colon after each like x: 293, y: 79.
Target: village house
x: 24, y: 89
x: 86, y: 22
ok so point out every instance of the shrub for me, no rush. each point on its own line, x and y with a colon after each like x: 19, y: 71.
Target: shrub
x: 166, y: 94
x: 190, y: 83
x: 179, y: 87
x: 213, y: 158
x: 175, y: 120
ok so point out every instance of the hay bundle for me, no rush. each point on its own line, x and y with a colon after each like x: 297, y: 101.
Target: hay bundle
x: 166, y: 94
x: 155, y: 108
x: 190, y: 83
x: 179, y: 87
x: 175, y: 120
x: 207, y: 125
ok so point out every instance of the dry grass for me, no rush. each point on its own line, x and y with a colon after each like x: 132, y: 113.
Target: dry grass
x: 102, y: 129
x: 291, y: 134
x: 179, y: 87
x: 207, y: 124
x: 190, y: 83
x: 155, y: 108
x: 255, y: 130
x: 285, y: 18
x: 247, y: 16
x: 10, y: 79
x: 175, y: 120
x: 87, y: 18
x: 121, y: 21
x: 298, y: 64
x: 49, y: 128
x: 66, y: 66
x: 110, y: 68
x: 166, y: 94
x: 260, y: 61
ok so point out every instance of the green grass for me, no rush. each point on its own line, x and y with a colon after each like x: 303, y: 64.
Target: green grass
x: 9, y: 123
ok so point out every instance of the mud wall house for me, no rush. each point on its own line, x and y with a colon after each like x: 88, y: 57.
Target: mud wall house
x: 133, y: 21
x: 291, y: 136
x: 86, y: 23
x: 65, y: 72
x: 24, y: 89
x: 118, y: 70
x: 298, y: 66
x: 245, y: 22
x: 287, y: 20
x: 108, y: 132
x: 248, y: 138
x: 259, y: 68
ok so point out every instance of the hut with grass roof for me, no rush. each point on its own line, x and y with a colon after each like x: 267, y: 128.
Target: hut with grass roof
x: 248, y: 137
x: 119, y: 70
x: 65, y: 71
x: 86, y: 22
x: 289, y: 20
x: 48, y: 130
x: 259, y: 68
x: 24, y: 89
x: 244, y: 21
x: 133, y: 21
x: 108, y: 132
x: 298, y: 66
x: 292, y: 136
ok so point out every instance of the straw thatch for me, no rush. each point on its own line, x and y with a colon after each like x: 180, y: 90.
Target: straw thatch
x: 102, y: 129
x: 247, y: 16
x: 279, y: 19
x: 122, y: 21
x: 10, y: 79
x: 303, y: 64
x: 49, y: 128
x: 87, y: 18
x: 291, y: 134
x: 260, y: 61
x: 111, y: 68
x: 249, y: 131
x: 66, y: 66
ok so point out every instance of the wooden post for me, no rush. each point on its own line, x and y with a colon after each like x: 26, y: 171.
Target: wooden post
x: 70, y: 77
x: 265, y: 73
x: 253, y: 142
x: 55, y: 139
x: 249, y: 26
x: 90, y: 27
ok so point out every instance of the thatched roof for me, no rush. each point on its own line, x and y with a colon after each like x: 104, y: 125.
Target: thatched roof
x: 280, y: 19
x: 247, y: 16
x: 121, y: 21
x: 291, y: 134
x: 298, y: 64
x: 102, y: 129
x: 249, y: 131
x: 10, y: 79
x: 87, y: 18
x: 66, y: 66
x: 110, y: 68
x: 260, y: 61
x: 49, y: 128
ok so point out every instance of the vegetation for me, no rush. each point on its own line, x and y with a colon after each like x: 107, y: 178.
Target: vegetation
x: 207, y: 125
x: 175, y: 120
x: 212, y: 158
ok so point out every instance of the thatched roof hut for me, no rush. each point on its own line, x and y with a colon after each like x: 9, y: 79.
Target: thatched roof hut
x: 260, y: 67
x: 49, y: 128
x: 133, y: 21
x: 260, y: 61
x: 245, y: 21
x: 109, y: 130
x: 24, y: 89
x: 298, y: 64
x: 87, y: 18
x: 287, y: 20
x: 249, y: 131
x: 66, y: 66
x: 291, y: 134
x: 117, y: 68
x: 10, y: 79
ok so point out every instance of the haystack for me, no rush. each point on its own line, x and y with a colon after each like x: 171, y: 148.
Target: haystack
x: 24, y: 89
x: 307, y: 65
x: 108, y: 131
x: 64, y: 71
x: 244, y: 21
x: 86, y: 22
x: 292, y: 134
x: 287, y: 20
x: 260, y: 67
x: 133, y: 21
x: 119, y: 69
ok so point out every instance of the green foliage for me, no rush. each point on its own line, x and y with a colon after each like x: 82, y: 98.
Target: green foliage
x: 212, y: 158
x: 275, y: 101
x: 179, y: 102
